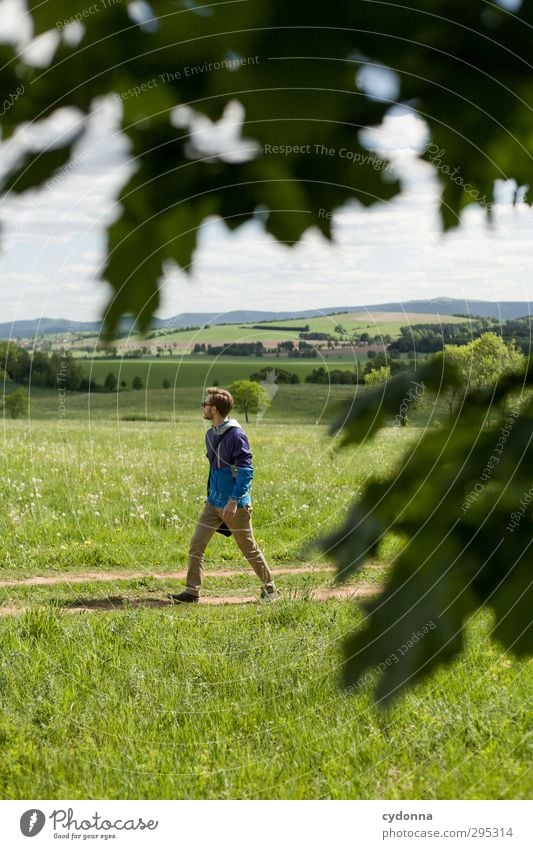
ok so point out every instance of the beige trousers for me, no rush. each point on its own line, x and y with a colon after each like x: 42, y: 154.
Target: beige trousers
x: 241, y: 528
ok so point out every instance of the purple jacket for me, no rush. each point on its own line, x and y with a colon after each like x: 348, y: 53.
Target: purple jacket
x: 230, y: 464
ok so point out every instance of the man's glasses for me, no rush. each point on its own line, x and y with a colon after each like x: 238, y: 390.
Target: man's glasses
x: 205, y: 404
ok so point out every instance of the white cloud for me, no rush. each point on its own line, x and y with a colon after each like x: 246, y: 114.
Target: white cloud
x: 16, y: 25
x: 222, y: 138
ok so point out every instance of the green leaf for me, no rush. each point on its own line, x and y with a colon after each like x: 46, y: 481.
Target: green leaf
x: 368, y: 411
x: 39, y: 168
x: 355, y: 541
x: 56, y: 14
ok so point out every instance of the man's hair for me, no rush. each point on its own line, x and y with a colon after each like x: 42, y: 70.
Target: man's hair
x: 219, y: 398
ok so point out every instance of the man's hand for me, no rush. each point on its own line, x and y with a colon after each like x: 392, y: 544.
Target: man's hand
x: 229, y: 510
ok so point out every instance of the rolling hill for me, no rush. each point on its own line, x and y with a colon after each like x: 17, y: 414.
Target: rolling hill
x: 28, y: 328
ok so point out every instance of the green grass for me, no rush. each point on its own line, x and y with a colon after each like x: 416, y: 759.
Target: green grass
x: 302, y: 403
x: 216, y: 702
x: 244, y: 703
x: 111, y: 495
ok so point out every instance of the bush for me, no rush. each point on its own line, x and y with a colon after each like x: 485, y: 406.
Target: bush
x: 137, y: 383
x: 110, y: 383
x: 281, y: 376
x: 320, y: 375
x: 16, y: 404
x: 377, y: 375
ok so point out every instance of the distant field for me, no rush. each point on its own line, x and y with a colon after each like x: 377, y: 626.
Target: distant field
x: 201, y: 371
x: 300, y: 403
x: 380, y: 323
x: 373, y: 323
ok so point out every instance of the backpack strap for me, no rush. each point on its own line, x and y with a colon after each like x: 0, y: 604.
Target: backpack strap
x: 223, y: 529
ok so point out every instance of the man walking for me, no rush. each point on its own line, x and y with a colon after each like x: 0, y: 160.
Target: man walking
x: 228, y: 507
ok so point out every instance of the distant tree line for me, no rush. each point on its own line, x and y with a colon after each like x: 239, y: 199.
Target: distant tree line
x: 167, y: 331
x: 283, y: 329
x: 233, y: 349
x: 377, y: 364
x: 315, y: 334
x: 255, y: 349
x: 431, y: 338
x: 281, y: 375
x: 55, y: 370
x: 41, y: 369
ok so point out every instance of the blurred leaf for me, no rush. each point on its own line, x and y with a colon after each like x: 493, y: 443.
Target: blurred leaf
x: 462, y: 500
x: 512, y: 603
x: 372, y: 407
x: 406, y: 633
x: 353, y: 543
x: 39, y: 167
x: 52, y: 14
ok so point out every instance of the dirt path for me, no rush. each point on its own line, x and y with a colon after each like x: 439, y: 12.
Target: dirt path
x: 86, y: 577
x: 118, y: 603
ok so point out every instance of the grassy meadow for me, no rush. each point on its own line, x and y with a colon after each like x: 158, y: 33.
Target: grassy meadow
x: 300, y: 403
x: 126, y: 494
x: 134, y: 698
x: 243, y: 702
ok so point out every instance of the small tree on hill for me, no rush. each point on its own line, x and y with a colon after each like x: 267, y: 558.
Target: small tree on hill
x: 137, y: 383
x: 249, y: 396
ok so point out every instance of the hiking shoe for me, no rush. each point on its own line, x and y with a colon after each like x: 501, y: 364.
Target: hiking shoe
x: 273, y: 595
x: 184, y: 596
